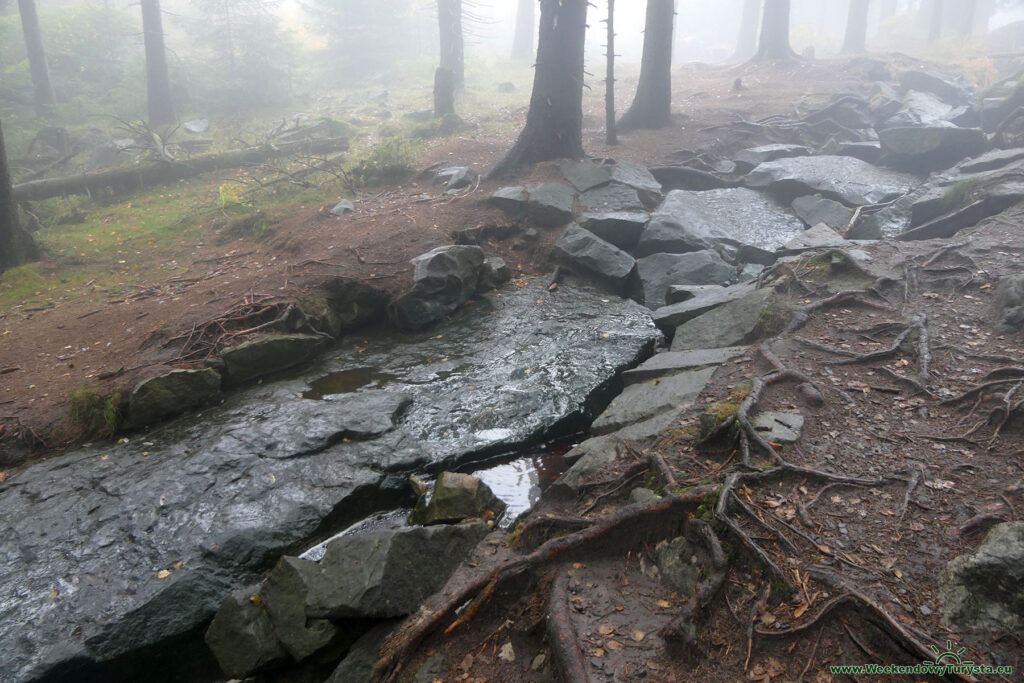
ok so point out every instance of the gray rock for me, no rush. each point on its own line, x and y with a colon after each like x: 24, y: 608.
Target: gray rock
x: 264, y: 354
x: 494, y: 273
x: 357, y: 667
x: 456, y: 177
x: 640, y: 179
x: 985, y: 589
x: 813, y: 210
x: 443, y: 280
x: 691, y: 221
x: 926, y: 109
x: 679, y: 564
x: 749, y: 158
x: 779, y: 427
x: 923, y: 150
x: 623, y: 229
x: 820, y: 236
x: 588, y: 459
x: 242, y: 638
x: 991, y: 160
x: 658, y: 272
x: 733, y: 324
x: 690, y: 179
x: 456, y: 497
x: 587, y: 174
x: 176, y: 392
x: 679, y: 293
x: 647, y: 399
x: 343, y: 207
x: 869, y: 151
x: 674, y: 362
x: 1010, y: 304
x: 545, y: 204
x: 592, y: 254
x: 389, y: 573
x: 430, y: 670
x: 613, y: 198
x: 948, y: 88
x: 750, y: 271
x: 197, y: 125
x: 642, y: 495
x: 349, y: 303
x: 284, y: 595
x: 849, y: 111
x: 668, y: 318
x: 849, y: 180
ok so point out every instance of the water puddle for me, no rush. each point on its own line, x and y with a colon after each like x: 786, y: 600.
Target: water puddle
x: 346, y: 382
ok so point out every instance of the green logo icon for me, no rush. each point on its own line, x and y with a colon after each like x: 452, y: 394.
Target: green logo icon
x: 949, y: 657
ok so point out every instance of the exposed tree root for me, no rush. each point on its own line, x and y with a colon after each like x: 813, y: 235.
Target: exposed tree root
x: 561, y: 633
x: 683, y: 628
x: 923, y: 349
x: 802, y: 315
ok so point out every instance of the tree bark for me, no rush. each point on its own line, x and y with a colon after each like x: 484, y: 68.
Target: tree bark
x: 936, y: 18
x: 158, y: 83
x: 522, y: 44
x: 449, y: 17
x: 444, y: 92
x: 44, y: 97
x: 611, y: 134
x: 554, y: 122
x: 856, y: 41
x: 775, y: 32
x: 652, y: 106
x: 16, y: 245
x: 746, y: 44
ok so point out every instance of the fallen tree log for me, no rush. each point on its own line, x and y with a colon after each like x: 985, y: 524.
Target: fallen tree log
x: 124, y: 180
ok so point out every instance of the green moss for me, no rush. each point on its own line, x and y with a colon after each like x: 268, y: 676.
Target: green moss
x: 958, y: 193
x: 94, y: 413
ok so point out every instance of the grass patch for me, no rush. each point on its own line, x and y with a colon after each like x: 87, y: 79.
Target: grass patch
x: 95, y: 414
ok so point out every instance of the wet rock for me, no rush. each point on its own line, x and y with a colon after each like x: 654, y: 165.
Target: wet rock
x: 659, y: 272
x: 750, y: 158
x: 820, y: 236
x: 992, y: 160
x: 456, y: 177
x: 690, y: 179
x: 668, y: 318
x: 692, y: 221
x: 613, y: 198
x: 848, y: 111
x: 265, y: 354
x: 947, y: 88
x: 443, y: 280
x: 494, y: 273
x: 545, y: 204
x: 674, y: 362
x: 813, y: 210
x: 923, y: 150
x: 481, y: 234
x: 647, y: 399
x: 384, y: 574
x: 926, y: 110
x: 241, y: 636
x: 604, y: 260
x: 176, y: 392
x: 849, y: 180
x: 588, y: 459
x: 779, y: 427
x: 357, y: 667
x: 679, y: 293
x: 284, y: 595
x: 733, y: 324
x: 587, y: 174
x: 456, y: 497
x: 349, y: 304
x: 749, y: 271
x: 622, y: 229
x: 985, y: 589
x: 343, y: 207
x: 640, y: 179
x: 1010, y: 304
x: 431, y: 670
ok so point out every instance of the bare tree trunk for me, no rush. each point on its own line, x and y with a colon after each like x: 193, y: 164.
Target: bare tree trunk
x: 856, y: 40
x: 158, y: 84
x: 449, y: 17
x: 982, y: 14
x: 936, y: 18
x: 746, y: 44
x: 444, y: 92
x: 16, y: 245
x: 652, y: 106
x: 611, y: 135
x: 522, y: 45
x: 44, y: 97
x: 775, y: 32
x: 961, y: 17
x: 554, y: 123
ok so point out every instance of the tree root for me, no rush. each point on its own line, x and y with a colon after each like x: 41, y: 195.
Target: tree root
x: 802, y: 314
x: 923, y: 349
x: 565, y: 649
x: 683, y: 628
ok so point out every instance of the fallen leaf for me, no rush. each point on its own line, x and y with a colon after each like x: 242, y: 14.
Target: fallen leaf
x: 163, y: 574
x: 599, y: 652
x: 614, y: 645
x: 799, y: 611
x: 664, y: 604
x: 638, y: 635
x: 605, y: 629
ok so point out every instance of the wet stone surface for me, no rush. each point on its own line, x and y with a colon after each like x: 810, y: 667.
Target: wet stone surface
x: 110, y: 549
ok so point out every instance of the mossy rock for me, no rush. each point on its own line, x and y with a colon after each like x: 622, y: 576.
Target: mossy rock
x: 164, y: 396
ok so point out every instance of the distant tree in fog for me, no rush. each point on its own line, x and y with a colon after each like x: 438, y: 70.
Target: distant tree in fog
x: 158, y: 83
x: 16, y: 245
x: 774, y: 42
x: 554, y: 122
x: 856, y: 38
x: 746, y: 44
x: 522, y: 45
x: 453, y: 54
x: 44, y: 97
x: 652, y: 106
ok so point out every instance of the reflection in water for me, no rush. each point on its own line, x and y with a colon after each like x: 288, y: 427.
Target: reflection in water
x: 520, y: 482
x: 346, y: 382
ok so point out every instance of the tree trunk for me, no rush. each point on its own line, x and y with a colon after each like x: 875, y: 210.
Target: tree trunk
x: 449, y: 17
x: 936, y: 18
x: 961, y: 17
x: 444, y: 92
x: 158, y: 84
x: 652, y: 106
x: 856, y: 40
x: 554, y: 123
x: 522, y: 44
x: 16, y: 245
x: 982, y: 15
x: 746, y: 44
x: 44, y: 97
x: 611, y: 135
x: 775, y: 32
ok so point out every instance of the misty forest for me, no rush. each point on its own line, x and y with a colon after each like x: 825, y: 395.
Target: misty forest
x: 511, y: 340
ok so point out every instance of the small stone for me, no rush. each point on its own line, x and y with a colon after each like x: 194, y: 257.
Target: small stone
x: 538, y: 662
x: 343, y: 207
x: 507, y: 653
x: 926, y: 610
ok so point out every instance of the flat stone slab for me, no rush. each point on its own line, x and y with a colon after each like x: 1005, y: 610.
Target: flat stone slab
x: 621, y: 228
x: 749, y: 158
x: 673, y: 362
x: 668, y: 318
x: 546, y: 204
x: 779, y: 427
x: 642, y: 401
x: 679, y: 293
x: 611, y: 198
x: 846, y: 179
x: 820, y: 236
x: 602, y: 259
x: 814, y: 210
x: 732, y: 324
x: 660, y: 272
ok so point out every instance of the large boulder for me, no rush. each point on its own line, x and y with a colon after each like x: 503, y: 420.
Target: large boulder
x: 592, y: 254
x: 265, y: 354
x: 750, y: 158
x: 456, y: 497
x: 1010, y: 304
x: 658, y: 272
x: 647, y: 399
x: 621, y: 228
x: 819, y: 236
x: 443, y: 279
x: 587, y: 174
x: 949, y: 89
x: 611, y: 198
x: 692, y: 221
x: 345, y: 303
x: 668, y: 318
x: 176, y: 392
x: 985, y: 589
x: 846, y: 179
x: 242, y: 637
x: 923, y: 150
x: 357, y: 667
x: 545, y: 204
x: 733, y: 324
x: 640, y: 179
x: 813, y: 210
x: 284, y: 595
